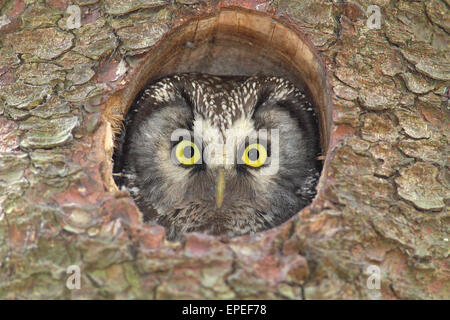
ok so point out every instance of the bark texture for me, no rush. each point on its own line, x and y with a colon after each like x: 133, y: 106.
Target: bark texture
x: 383, y: 197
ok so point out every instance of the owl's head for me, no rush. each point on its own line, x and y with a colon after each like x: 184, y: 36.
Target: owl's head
x: 220, y: 155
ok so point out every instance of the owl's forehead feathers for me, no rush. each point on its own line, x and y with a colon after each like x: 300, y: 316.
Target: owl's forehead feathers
x: 221, y: 101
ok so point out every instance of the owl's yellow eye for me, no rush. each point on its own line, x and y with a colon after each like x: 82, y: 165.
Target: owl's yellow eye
x: 187, y: 152
x: 255, y: 155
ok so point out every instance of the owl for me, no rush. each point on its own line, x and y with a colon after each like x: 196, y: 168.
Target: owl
x: 222, y: 155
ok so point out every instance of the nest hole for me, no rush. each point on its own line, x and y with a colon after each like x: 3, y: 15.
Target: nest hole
x: 233, y: 42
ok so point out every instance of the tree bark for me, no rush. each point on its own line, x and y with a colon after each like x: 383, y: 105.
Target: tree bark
x: 382, y: 205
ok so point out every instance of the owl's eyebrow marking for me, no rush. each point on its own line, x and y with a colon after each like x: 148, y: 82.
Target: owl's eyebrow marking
x: 263, y: 96
x: 185, y: 97
x: 266, y: 94
x: 261, y: 99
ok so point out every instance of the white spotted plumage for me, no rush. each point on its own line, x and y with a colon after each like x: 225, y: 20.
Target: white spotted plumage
x: 220, y: 110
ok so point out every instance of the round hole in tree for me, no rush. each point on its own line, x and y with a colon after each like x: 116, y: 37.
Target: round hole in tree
x: 225, y: 126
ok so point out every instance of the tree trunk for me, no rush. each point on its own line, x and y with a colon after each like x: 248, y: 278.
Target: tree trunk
x: 381, y: 213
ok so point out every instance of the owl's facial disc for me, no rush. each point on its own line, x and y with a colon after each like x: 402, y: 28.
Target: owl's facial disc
x: 244, y: 149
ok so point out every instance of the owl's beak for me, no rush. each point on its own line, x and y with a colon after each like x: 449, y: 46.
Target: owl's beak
x: 220, y: 187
